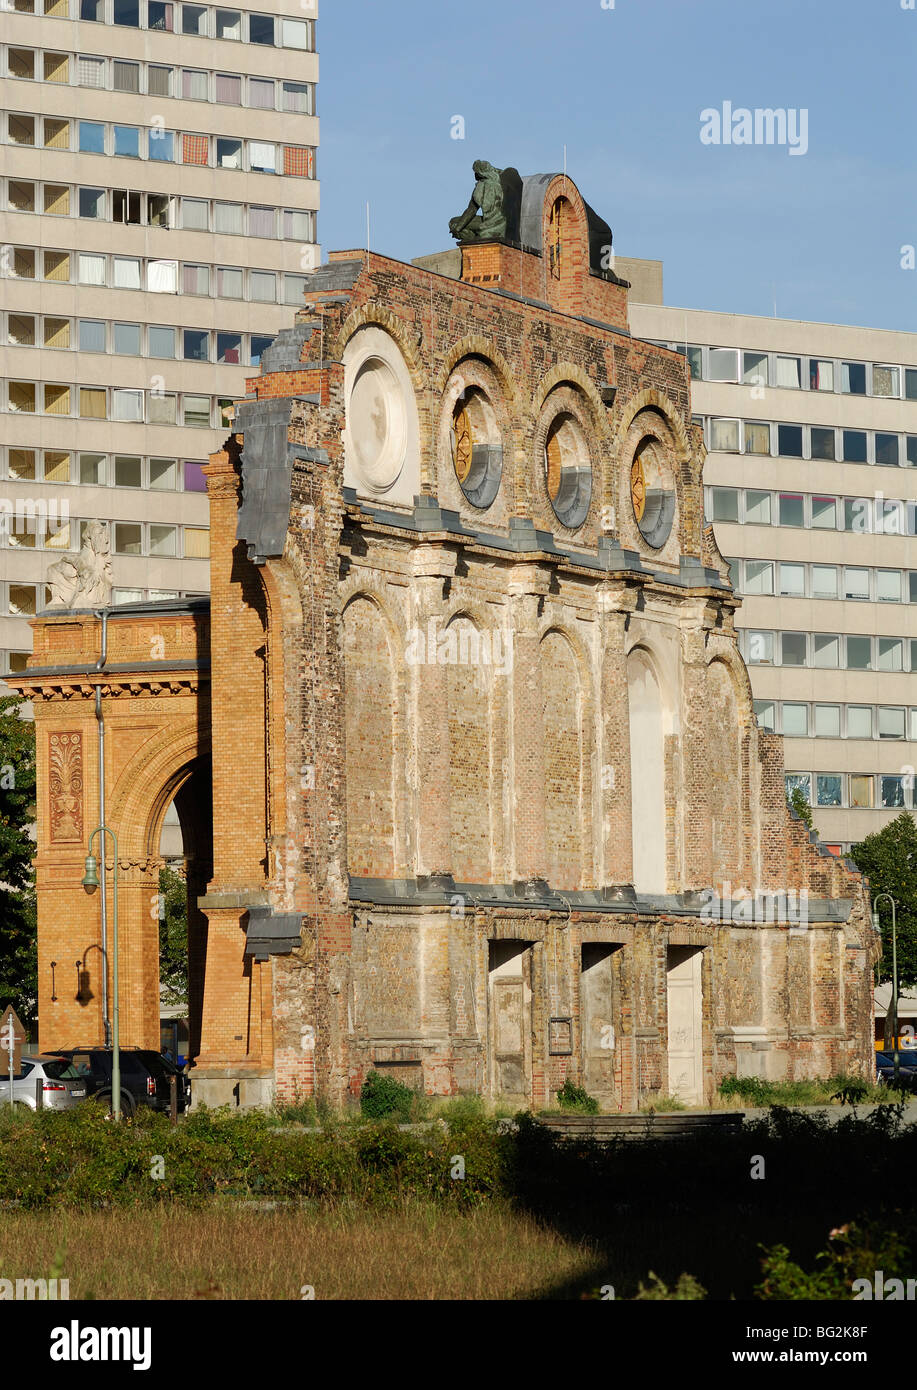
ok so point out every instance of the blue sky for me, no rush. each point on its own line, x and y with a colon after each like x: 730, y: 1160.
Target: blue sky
x: 623, y: 88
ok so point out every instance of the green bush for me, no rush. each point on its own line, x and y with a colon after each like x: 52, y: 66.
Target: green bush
x: 573, y: 1097
x: 383, y: 1098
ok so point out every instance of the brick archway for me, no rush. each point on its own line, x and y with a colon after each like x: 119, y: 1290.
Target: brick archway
x: 156, y: 717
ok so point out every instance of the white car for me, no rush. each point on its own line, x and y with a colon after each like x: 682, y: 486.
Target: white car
x: 62, y: 1086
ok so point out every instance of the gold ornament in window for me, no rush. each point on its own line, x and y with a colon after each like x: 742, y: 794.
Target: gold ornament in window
x: 463, y: 444
x: 638, y: 488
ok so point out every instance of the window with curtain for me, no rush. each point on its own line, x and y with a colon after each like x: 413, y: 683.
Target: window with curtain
x: 298, y: 162
x: 789, y: 373
x: 159, y: 81
x: 228, y: 24
x: 126, y: 274
x: 853, y: 378
x: 795, y: 719
x: 757, y: 437
x: 161, y: 341
x: 57, y: 266
x: 57, y: 67
x: 22, y: 397
x: 125, y: 76
x: 263, y: 286
x: 792, y: 580
x: 197, y: 543
x: 162, y: 277
x: 92, y: 203
x: 228, y: 218
x: 724, y: 436
x: 196, y: 411
x: 127, y: 141
x: 56, y: 134
x: 195, y: 214
x: 262, y: 158
x: 159, y: 16
x: 298, y: 225
x: 195, y: 149
x: 229, y: 89
x: 229, y: 282
x: 92, y: 137
x: 57, y: 199
x: 297, y: 96
x: 127, y: 405
x: 21, y: 330
x: 21, y: 196
x: 57, y: 466
x: 92, y: 335
x: 193, y: 85
x: 888, y: 586
x: 161, y: 409
x: 21, y: 130
x: 294, y: 288
x: 92, y: 403
x: 294, y: 33
x: 821, y: 375
x: 860, y: 788
x: 261, y: 93
x: 196, y: 279
x: 886, y: 381
x: 161, y: 145
x: 90, y: 72
x: 262, y: 221
x: 126, y: 339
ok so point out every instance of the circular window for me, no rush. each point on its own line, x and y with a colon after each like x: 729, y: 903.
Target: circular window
x: 652, y: 493
x: 477, y: 455
x: 377, y: 425
x: 568, y: 472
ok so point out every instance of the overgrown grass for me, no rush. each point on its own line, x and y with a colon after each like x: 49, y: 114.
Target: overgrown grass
x: 835, y: 1090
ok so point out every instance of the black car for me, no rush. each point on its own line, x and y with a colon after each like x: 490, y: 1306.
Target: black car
x: 144, y: 1077
x: 907, y: 1068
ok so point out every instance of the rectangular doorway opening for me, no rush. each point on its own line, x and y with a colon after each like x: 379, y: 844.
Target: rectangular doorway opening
x: 684, y: 991
x: 509, y: 1000
x: 600, y: 1011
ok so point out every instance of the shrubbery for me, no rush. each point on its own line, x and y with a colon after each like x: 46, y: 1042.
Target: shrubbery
x: 576, y: 1098
x: 383, y: 1098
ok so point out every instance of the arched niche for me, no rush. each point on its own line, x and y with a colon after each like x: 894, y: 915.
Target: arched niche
x: 647, y: 718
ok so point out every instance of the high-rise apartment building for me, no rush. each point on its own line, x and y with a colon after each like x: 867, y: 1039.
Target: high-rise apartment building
x: 158, y: 198
x: 811, y: 485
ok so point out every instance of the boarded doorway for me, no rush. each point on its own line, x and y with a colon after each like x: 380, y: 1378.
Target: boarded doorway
x: 685, y: 1042
x: 510, y: 1011
x: 600, y: 1006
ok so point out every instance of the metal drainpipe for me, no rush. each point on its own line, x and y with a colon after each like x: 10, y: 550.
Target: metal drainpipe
x: 103, y: 614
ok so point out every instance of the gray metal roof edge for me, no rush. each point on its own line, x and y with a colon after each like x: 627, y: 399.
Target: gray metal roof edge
x: 159, y: 606
x: 115, y: 668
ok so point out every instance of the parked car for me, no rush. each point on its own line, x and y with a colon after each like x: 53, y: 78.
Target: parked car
x: 144, y: 1077
x: 907, y: 1068
x: 62, y: 1086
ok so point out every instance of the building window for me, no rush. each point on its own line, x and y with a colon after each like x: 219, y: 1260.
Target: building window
x: 228, y: 24
x: 197, y: 411
x: 757, y: 437
x: 229, y: 348
x: 195, y: 214
x: 229, y: 282
x: 263, y: 286
x: 162, y: 277
x: 298, y: 162
x: 297, y: 96
x: 859, y: 653
x: 194, y: 20
x: 128, y: 538
x: 765, y: 715
x: 724, y: 436
x: 826, y: 650
x: 92, y: 137
x: 227, y: 218
x: 887, y: 450
x: 158, y: 81
x: 93, y: 403
x: 823, y: 443
x: 128, y: 471
x: 789, y: 372
x: 262, y: 221
x: 126, y: 272
x: 759, y: 577
x: 57, y: 199
x: 229, y: 89
x: 792, y: 580
x: 162, y: 146
x: 162, y: 539
x: 127, y: 405
x: 856, y: 583
x: 57, y: 399
x: 126, y: 339
x: 760, y: 648
x: 799, y: 781
x: 90, y: 72
x: 294, y: 289
x: 725, y: 502
x: 261, y: 29
x: 125, y: 206
x: 854, y: 446
x: 57, y: 266
x: 892, y: 792
x: 262, y: 157
x: 195, y: 149
x: 261, y: 95
x: 125, y: 77
x: 196, y: 279
x: 886, y: 381
x: 891, y: 654
x: 860, y: 790
x: 888, y: 586
x: 194, y: 85
x: 57, y: 67
x: 828, y: 787
x: 229, y: 153
x: 159, y: 16
x: 163, y: 475
x: 294, y: 33
x: 21, y: 196
x: 161, y: 409
x: 891, y: 722
x: 194, y: 481
x: 853, y: 378
x: 21, y: 130
x: 792, y: 512
x: 821, y: 375
x: 196, y: 345
x: 92, y: 470
x: 757, y: 508
x: 723, y: 364
x: 824, y: 581
x: 789, y: 441
x: 828, y: 721
x: 795, y: 720
x: 127, y: 141
x: 161, y: 341
x: 197, y: 543
x: 824, y: 513
x: 793, y: 648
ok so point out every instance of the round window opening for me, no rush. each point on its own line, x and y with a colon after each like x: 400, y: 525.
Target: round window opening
x: 568, y: 472
x: 377, y: 425
x: 652, y: 493
x: 477, y: 455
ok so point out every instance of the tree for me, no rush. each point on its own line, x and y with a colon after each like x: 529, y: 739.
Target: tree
x: 797, y: 802
x: 889, y: 860
x: 173, y: 937
x: 18, y: 915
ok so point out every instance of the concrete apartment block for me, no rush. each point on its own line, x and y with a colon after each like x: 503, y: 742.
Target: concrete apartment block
x: 811, y: 486
x: 158, y: 205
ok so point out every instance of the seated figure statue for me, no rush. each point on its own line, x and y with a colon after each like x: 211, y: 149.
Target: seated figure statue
x: 84, y: 580
x: 484, y: 218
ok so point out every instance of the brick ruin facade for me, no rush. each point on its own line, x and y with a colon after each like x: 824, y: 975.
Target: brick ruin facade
x: 489, y: 804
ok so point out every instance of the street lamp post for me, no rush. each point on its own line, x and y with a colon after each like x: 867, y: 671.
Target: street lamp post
x: 894, y: 998
x: 91, y: 883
